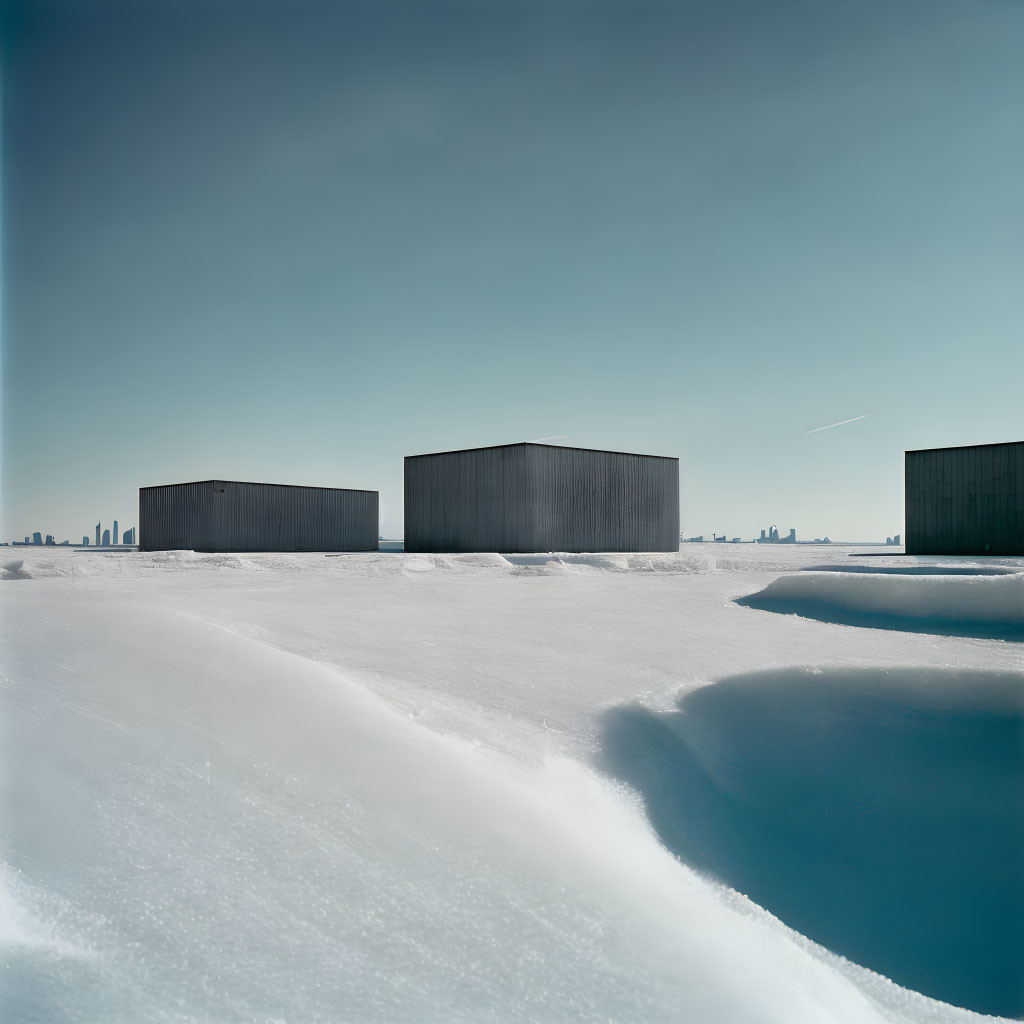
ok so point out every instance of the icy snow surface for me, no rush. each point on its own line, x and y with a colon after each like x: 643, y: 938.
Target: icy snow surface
x: 388, y: 787
x: 960, y: 603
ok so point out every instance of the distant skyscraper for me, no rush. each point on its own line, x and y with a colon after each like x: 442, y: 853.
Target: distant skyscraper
x: 85, y: 542
x: 115, y: 531
x: 97, y: 535
x: 37, y: 538
x: 49, y: 539
x: 106, y: 538
x: 772, y: 537
x: 28, y: 540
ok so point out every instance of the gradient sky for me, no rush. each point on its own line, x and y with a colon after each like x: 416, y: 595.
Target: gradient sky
x: 296, y: 241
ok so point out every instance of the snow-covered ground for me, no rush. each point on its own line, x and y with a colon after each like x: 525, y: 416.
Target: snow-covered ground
x: 390, y: 787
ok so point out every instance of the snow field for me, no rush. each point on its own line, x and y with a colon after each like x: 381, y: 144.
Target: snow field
x: 381, y: 787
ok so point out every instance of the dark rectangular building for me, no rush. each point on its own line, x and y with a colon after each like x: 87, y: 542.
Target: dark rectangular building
x: 540, y: 497
x: 965, y: 501
x: 226, y: 515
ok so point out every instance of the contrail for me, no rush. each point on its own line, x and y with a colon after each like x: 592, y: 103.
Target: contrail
x: 839, y: 424
x: 553, y: 437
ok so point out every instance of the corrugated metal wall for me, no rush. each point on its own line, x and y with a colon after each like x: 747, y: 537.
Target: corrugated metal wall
x: 532, y: 497
x: 965, y: 501
x: 225, y: 515
x: 477, y: 500
x: 176, y: 517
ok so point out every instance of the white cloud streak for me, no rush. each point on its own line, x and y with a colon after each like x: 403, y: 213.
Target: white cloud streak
x: 829, y: 426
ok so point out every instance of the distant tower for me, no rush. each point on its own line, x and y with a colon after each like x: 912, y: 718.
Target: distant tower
x: 896, y: 539
x: 115, y: 532
x: 37, y: 538
x: 85, y: 542
x: 106, y: 538
x: 97, y: 535
x: 49, y: 540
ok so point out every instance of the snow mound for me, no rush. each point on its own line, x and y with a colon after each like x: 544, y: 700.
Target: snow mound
x: 917, y: 570
x: 878, y: 811
x: 377, y: 564
x: 561, y: 563
x: 988, y: 606
x: 248, y: 834
x: 393, y: 565
x: 541, y: 564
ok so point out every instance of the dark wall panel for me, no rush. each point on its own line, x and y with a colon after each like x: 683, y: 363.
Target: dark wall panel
x: 606, y: 501
x: 478, y: 500
x: 224, y: 515
x: 176, y: 517
x: 965, y: 501
x: 532, y: 497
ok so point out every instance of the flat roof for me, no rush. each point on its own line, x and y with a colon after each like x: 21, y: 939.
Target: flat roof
x: 958, y: 447
x: 537, y: 444
x: 255, y: 483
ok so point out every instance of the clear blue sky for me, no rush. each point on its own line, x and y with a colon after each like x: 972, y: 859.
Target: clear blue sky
x: 296, y: 241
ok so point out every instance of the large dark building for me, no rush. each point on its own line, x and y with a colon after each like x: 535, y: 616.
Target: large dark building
x: 965, y: 501
x: 225, y: 515
x: 541, y: 497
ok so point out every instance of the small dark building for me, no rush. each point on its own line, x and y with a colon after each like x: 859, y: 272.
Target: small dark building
x: 541, y: 497
x: 965, y: 501
x: 226, y: 515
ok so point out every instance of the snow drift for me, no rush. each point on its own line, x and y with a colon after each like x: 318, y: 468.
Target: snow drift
x: 916, y: 570
x: 881, y: 813
x: 363, y: 788
x: 961, y: 605
x: 131, y: 564
x: 203, y: 827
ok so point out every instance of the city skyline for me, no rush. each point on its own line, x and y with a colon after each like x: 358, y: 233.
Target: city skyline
x: 732, y: 233
x: 129, y: 537
x: 109, y: 537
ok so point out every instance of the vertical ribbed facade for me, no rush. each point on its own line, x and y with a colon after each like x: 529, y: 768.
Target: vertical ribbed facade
x: 965, y: 501
x: 227, y: 515
x: 536, y: 497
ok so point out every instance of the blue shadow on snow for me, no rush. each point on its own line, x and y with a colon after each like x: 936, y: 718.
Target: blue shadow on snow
x: 879, y: 812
